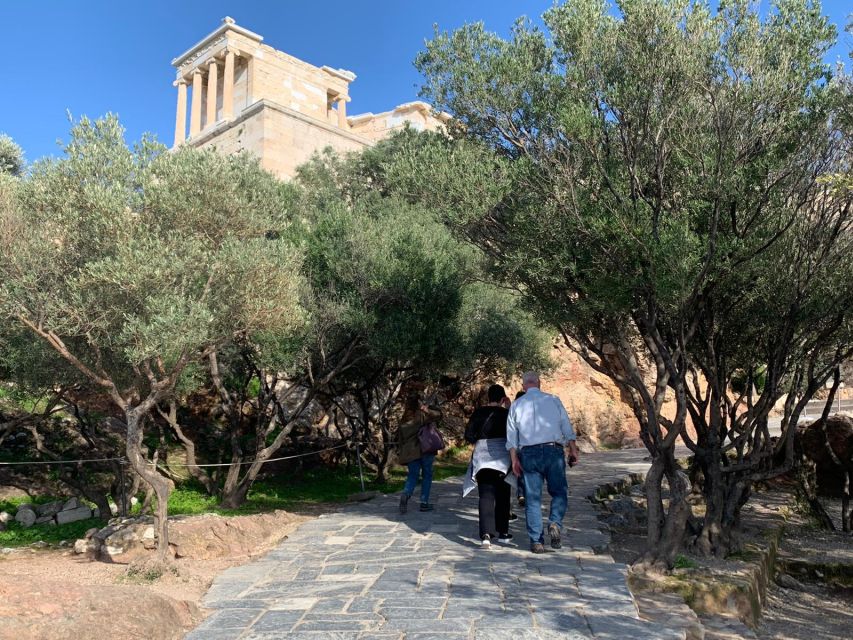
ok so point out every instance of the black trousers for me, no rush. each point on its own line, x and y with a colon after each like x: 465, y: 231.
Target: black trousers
x: 494, y: 502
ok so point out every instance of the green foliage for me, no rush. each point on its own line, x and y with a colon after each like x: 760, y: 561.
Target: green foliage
x: 147, y: 573
x: 308, y: 488
x: 17, y: 536
x: 758, y: 378
x: 10, y: 505
x: 387, y: 269
x: 627, y: 183
x: 666, y: 185
x: 683, y: 562
x: 11, y: 157
x: 135, y: 258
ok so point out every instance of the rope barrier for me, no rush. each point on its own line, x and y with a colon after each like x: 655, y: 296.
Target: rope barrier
x: 217, y: 464
x: 6, y: 464
x: 228, y: 464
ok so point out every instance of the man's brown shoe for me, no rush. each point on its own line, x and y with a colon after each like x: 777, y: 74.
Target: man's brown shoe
x: 554, y: 534
x: 537, y: 547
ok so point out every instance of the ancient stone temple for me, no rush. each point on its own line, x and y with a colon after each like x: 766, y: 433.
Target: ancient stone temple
x: 245, y: 95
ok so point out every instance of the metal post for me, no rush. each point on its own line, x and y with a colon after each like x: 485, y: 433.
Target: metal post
x: 124, y: 510
x: 360, y: 473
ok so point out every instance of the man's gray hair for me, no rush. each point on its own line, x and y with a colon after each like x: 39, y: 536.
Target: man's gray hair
x: 530, y: 377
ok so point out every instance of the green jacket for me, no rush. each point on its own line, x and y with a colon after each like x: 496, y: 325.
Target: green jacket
x: 408, y: 443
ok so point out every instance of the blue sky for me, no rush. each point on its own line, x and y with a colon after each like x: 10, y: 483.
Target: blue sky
x: 95, y: 56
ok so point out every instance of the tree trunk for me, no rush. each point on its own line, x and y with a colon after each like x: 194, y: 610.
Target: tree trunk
x: 237, y: 488
x: 807, y: 489
x: 384, y: 455
x: 665, y: 529
x: 149, y: 474
x: 725, y: 494
x: 171, y: 417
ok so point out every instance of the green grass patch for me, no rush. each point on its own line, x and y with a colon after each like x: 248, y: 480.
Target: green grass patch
x: 10, y: 505
x: 683, y: 562
x: 17, y: 536
x: 313, y: 487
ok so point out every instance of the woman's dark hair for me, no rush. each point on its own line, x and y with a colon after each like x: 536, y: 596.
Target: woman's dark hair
x: 519, y: 394
x: 496, y: 393
x: 412, y: 402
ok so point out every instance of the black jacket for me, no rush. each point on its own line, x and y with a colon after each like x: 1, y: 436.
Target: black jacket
x: 486, y: 422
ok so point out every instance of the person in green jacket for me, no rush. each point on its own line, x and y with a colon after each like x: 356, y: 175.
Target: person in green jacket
x: 415, y: 415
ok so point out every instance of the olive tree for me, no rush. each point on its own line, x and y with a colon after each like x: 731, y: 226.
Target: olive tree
x: 653, y: 182
x: 404, y: 292
x: 134, y: 263
x: 11, y: 156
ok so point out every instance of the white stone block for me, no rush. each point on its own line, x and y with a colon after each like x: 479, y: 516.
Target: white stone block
x: 73, y: 515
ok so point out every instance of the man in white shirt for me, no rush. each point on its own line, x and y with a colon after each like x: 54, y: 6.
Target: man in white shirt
x: 538, y: 432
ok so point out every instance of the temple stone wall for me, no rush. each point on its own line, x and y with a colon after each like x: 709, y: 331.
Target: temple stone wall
x: 290, y: 141
x: 237, y: 94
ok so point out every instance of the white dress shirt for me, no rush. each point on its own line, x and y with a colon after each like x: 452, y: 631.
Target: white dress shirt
x: 537, y: 418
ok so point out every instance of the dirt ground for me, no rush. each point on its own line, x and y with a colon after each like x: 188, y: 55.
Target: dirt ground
x: 39, y: 589
x: 817, y: 610
x: 795, y: 615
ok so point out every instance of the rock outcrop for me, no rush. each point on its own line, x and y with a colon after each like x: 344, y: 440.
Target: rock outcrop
x: 33, y: 609
x: 125, y: 540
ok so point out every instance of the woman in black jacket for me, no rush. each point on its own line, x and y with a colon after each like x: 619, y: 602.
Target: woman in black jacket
x: 487, y: 431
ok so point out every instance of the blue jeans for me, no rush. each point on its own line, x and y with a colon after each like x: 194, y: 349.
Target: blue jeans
x: 415, y: 467
x: 544, y: 463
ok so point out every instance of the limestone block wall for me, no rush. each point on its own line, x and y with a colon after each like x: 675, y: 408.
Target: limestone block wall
x: 282, y: 138
x: 247, y: 134
x: 295, y: 84
x: 290, y: 140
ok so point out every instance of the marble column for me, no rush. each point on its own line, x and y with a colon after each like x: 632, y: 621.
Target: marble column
x: 250, y: 80
x: 195, y: 111
x: 181, y: 113
x: 342, y: 113
x: 212, y: 79
x: 228, y: 87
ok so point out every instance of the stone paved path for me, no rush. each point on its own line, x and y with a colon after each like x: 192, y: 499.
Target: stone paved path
x: 369, y: 573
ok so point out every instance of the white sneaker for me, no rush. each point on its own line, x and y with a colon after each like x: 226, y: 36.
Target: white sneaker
x: 486, y: 542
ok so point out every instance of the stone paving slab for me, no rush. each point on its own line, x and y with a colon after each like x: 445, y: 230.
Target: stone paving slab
x: 369, y: 573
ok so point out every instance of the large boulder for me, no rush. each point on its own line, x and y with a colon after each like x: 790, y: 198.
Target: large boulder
x: 87, y: 546
x: 35, y: 608
x: 826, y: 446
x: 202, y: 537
x: 123, y: 542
